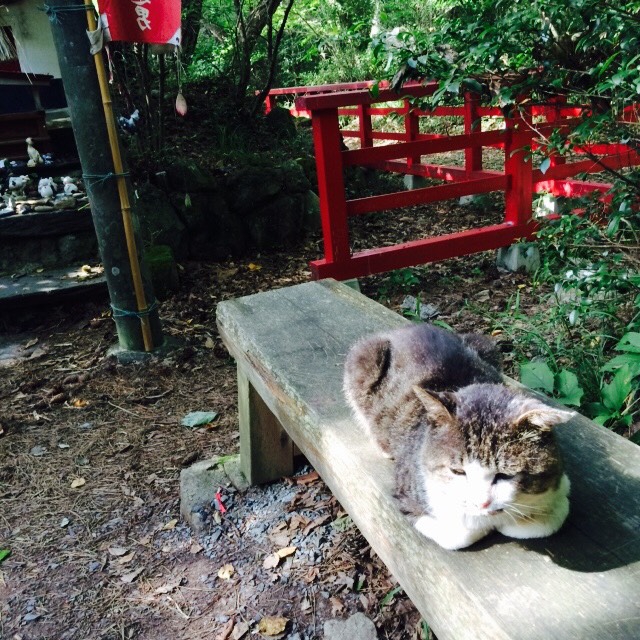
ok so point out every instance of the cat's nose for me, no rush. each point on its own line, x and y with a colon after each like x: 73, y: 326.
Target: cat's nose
x: 485, y: 505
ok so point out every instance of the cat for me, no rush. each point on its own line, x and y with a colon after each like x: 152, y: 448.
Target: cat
x: 471, y: 455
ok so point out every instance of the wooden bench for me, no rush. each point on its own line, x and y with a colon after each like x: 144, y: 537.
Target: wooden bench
x: 583, y: 583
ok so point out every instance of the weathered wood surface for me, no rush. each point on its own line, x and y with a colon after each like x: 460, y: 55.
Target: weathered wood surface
x: 260, y: 432
x: 584, y: 582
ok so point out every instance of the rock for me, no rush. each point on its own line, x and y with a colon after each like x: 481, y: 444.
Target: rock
x: 524, y: 256
x: 199, y: 483
x: 295, y: 180
x: 186, y: 176
x: 215, y: 232
x: 312, y: 221
x: 357, y: 627
x: 163, y: 270
x: 159, y: 222
x: 277, y: 224
x: 280, y: 123
x: 252, y: 187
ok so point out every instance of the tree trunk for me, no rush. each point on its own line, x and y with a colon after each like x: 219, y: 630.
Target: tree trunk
x: 191, y: 23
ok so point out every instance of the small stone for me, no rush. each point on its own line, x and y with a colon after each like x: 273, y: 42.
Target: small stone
x: 357, y: 627
x: 38, y: 451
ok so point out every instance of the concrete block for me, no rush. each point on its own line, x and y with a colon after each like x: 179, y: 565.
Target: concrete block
x: 199, y: 483
x: 519, y: 257
x: 353, y: 283
x: 415, y: 182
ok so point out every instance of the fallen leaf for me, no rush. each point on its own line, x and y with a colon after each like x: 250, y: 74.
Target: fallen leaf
x: 209, y: 343
x: 130, y: 577
x: 318, y: 522
x: 254, y: 267
x: 126, y: 559
x: 38, y: 451
x: 311, y: 575
x: 239, y: 630
x: 287, y: 551
x: 271, y: 561
x: 170, y: 587
x: 4, y: 554
x: 198, y: 418
x: 78, y: 482
x: 305, y: 605
x: 308, y: 478
x: 226, y: 571
x: 64, y: 523
x: 225, y: 632
x: 196, y: 548
x: 272, y: 626
x: 78, y: 403
x: 170, y: 525
x: 118, y: 551
x: 336, y: 606
x: 62, y: 445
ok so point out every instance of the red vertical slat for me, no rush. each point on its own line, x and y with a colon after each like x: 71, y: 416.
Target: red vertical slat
x: 365, y: 128
x: 517, y: 166
x: 333, y: 207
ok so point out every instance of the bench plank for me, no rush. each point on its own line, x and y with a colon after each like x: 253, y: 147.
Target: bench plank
x: 584, y: 582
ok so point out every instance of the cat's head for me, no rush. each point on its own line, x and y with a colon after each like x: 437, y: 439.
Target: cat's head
x: 489, y: 449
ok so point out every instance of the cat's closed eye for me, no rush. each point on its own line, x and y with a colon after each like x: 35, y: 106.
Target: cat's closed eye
x: 502, y: 476
x: 458, y: 472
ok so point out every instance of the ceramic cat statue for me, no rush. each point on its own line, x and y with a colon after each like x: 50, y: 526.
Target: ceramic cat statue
x: 471, y: 456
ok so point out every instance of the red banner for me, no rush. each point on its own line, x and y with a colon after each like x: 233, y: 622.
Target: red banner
x: 151, y: 21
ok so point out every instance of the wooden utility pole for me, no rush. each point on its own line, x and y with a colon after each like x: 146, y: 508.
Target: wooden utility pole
x: 104, y: 171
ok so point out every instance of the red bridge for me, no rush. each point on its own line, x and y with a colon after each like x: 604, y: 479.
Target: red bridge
x: 403, y: 153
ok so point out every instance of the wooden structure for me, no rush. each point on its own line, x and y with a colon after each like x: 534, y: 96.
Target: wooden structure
x: 403, y: 152
x: 581, y: 583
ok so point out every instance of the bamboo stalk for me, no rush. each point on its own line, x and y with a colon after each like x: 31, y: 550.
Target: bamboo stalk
x: 121, y: 181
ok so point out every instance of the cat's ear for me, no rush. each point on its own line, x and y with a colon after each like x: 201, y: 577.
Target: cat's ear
x: 542, y: 416
x: 436, y: 410
x: 369, y: 362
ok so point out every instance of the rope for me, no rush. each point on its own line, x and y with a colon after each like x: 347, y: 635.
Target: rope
x: 53, y: 12
x: 123, y: 313
x: 103, y: 177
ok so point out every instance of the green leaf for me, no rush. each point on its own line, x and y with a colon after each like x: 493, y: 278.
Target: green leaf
x: 537, y: 375
x: 631, y: 360
x: 569, y: 390
x: 390, y: 596
x: 4, y: 554
x: 342, y: 524
x: 629, y: 342
x: 614, y: 394
x: 197, y: 418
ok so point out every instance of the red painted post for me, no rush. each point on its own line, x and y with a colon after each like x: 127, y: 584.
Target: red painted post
x: 269, y: 103
x: 412, y: 129
x: 472, y: 123
x: 329, y: 167
x: 364, y: 126
x: 517, y: 167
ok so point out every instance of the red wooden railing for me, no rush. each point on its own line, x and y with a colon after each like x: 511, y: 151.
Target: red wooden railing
x: 519, y: 180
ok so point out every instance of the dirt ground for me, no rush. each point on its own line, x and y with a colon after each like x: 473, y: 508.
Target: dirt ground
x: 91, y: 452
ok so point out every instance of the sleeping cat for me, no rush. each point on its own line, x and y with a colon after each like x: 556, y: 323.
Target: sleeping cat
x: 471, y: 456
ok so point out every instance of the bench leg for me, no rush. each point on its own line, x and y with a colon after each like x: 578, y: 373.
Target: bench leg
x: 266, y: 451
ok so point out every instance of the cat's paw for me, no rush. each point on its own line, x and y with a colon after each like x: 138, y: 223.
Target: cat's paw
x: 449, y: 535
x: 538, y: 526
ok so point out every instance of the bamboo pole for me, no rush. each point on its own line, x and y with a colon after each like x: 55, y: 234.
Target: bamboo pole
x: 121, y: 181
